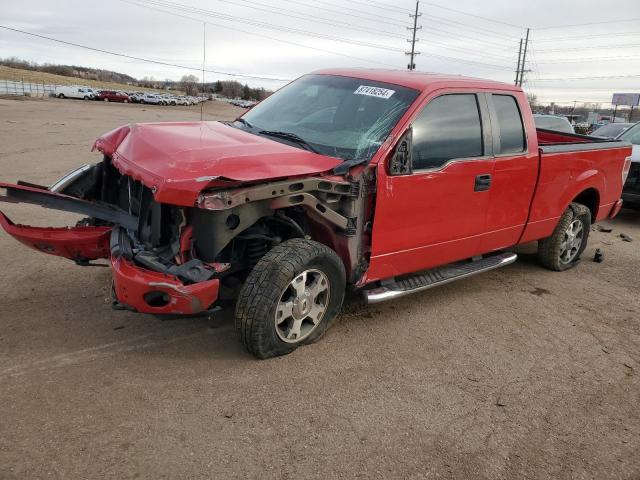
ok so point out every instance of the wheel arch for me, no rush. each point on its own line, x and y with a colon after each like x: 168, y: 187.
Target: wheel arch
x: 590, y: 198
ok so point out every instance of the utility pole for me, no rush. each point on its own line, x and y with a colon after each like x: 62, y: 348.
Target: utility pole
x: 518, y: 67
x: 415, y: 28
x: 204, y: 59
x: 524, y: 59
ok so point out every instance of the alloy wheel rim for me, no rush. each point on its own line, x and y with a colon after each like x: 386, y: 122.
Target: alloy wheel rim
x: 302, y: 305
x: 571, y: 242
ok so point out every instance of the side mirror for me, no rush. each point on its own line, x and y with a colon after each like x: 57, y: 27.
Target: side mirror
x: 400, y: 163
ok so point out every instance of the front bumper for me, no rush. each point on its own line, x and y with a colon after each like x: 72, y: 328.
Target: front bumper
x: 147, y: 291
x: 140, y: 289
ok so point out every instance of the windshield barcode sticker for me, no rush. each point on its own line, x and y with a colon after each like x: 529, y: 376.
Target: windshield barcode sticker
x: 374, y: 91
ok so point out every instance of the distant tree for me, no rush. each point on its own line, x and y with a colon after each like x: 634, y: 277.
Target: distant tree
x: 217, y: 88
x: 246, y: 92
x: 189, y: 84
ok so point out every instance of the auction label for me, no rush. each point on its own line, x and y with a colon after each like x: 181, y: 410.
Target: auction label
x: 374, y: 91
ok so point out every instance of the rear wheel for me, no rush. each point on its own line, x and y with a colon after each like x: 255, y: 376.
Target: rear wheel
x: 289, y: 298
x: 61, y: 95
x: 106, y: 99
x: 563, y: 248
x: 126, y: 101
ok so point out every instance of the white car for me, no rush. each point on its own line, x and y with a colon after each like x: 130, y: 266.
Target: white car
x: 151, y: 99
x: 83, y: 93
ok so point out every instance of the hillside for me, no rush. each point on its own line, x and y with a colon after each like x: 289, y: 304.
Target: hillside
x: 31, y: 76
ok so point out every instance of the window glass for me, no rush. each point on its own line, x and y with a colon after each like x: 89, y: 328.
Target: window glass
x: 510, y: 124
x: 448, y: 127
x: 632, y: 135
x: 343, y: 117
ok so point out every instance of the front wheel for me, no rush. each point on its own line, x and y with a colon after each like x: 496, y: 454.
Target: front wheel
x: 106, y: 99
x: 289, y: 298
x: 563, y: 248
x: 126, y: 101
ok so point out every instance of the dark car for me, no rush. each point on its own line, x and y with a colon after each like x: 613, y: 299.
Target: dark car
x: 611, y: 130
x: 113, y: 96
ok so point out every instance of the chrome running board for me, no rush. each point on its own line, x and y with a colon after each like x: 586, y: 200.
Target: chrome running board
x: 400, y: 287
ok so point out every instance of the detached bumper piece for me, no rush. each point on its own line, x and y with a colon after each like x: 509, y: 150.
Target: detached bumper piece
x: 80, y: 244
x: 146, y: 291
x: 159, y: 286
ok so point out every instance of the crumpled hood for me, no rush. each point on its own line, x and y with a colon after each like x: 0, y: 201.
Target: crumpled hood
x: 178, y: 160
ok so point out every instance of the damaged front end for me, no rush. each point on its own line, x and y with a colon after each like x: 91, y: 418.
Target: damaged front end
x: 178, y: 259
x: 148, y: 244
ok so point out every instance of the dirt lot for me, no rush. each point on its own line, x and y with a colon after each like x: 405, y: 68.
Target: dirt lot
x: 518, y: 373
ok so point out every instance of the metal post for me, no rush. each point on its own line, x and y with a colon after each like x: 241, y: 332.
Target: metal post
x: 518, y: 67
x: 631, y: 114
x: 615, y: 110
x: 524, y: 58
x: 413, y: 40
x: 204, y: 57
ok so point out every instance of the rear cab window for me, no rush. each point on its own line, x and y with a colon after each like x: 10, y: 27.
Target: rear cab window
x: 510, y: 128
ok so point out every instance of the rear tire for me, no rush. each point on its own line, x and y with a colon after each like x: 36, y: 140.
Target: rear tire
x: 106, y: 99
x: 61, y: 95
x: 563, y: 248
x: 126, y: 101
x: 290, y: 298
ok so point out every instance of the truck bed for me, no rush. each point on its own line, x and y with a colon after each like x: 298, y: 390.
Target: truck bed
x: 550, y: 141
x: 590, y: 165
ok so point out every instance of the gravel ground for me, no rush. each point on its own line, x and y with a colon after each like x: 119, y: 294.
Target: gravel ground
x: 517, y: 373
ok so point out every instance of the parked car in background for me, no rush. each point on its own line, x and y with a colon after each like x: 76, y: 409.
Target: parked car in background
x: 83, y: 93
x: 631, y: 191
x: 113, y: 96
x: 553, y: 122
x: 150, y: 98
x: 136, y: 96
x: 391, y: 182
x: 611, y: 130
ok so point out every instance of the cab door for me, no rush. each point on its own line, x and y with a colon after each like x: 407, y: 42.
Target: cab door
x: 434, y: 212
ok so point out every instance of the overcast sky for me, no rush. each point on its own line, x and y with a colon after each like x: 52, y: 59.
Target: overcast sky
x: 285, y: 39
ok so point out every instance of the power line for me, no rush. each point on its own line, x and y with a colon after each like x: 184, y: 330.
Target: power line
x: 588, y: 24
x: 577, y: 37
x: 235, y: 29
x: 604, y: 77
x: 589, y: 59
x: 141, y: 59
x: 307, y: 17
x: 198, y: 11
x: 476, y: 16
x: 591, y: 47
x: 372, y: 17
x: 232, y: 18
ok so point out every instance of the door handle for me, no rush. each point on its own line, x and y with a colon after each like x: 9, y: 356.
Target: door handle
x: 483, y: 183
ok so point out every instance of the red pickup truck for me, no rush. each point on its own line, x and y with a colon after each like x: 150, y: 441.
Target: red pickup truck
x: 389, y: 182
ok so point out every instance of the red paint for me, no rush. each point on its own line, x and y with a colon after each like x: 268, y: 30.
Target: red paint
x: 75, y: 243
x: 179, y: 160
x: 131, y: 283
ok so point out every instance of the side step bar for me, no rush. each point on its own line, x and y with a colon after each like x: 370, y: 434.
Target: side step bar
x: 438, y: 276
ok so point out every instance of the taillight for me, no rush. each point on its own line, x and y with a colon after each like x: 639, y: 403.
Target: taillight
x: 625, y: 169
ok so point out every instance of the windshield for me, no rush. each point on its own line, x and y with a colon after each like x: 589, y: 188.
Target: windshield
x: 632, y: 135
x: 343, y: 117
x: 611, y: 130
